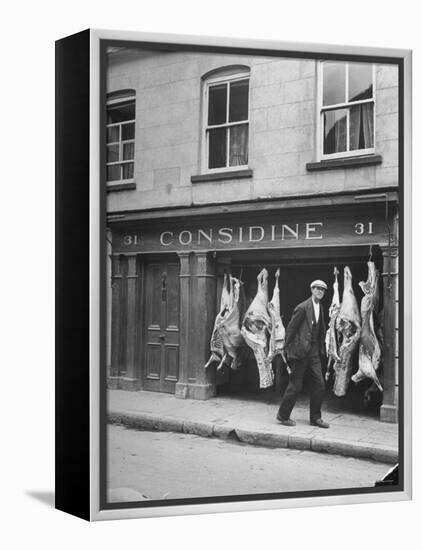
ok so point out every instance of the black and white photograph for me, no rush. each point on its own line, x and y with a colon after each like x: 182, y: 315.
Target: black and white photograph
x: 252, y: 274
x: 211, y: 249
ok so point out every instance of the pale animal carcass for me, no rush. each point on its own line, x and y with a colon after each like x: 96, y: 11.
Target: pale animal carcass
x: 348, y: 325
x: 278, y: 332
x: 229, y: 324
x: 369, y: 348
x: 256, y: 325
x: 216, y: 343
x: 331, y: 344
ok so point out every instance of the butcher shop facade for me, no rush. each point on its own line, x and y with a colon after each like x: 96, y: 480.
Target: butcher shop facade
x: 168, y: 276
x: 224, y: 170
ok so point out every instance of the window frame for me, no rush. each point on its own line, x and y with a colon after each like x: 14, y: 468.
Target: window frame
x: 120, y: 99
x: 321, y: 109
x: 227, y: 79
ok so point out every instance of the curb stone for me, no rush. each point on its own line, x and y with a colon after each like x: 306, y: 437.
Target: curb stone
x: 146, y: 421
x: 225, y: 432
x: 151, y: 422
x: 198, y: 428
x: 299, y: 442
x: 263, y: 439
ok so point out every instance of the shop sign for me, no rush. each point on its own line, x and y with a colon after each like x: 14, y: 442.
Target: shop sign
x: 296, y: 233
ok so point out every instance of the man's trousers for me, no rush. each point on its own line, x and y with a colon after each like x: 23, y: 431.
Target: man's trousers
x: 309, y: 366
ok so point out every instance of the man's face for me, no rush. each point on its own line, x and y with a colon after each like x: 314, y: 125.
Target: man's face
x: 318, y: 293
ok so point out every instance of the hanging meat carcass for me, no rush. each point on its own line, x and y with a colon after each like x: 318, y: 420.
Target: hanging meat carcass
x: 331, y: 337
x: 216, y: 343
x: 256, y: 324
x: 369, y: 348
x: 348, y: 325
x: 229, y: 324
x: 278, y: 332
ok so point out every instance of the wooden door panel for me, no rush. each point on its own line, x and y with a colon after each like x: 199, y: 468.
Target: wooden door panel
x: 172, y: 291
x: 154, y: 297
x: 161, y: 357
x: 171, y: 363
x: 154, y: 361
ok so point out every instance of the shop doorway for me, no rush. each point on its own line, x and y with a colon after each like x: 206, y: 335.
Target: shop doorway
x: 161, y: 332
x: 297, y: 270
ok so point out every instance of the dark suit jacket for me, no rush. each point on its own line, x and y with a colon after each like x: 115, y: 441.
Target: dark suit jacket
x: 299, y: 331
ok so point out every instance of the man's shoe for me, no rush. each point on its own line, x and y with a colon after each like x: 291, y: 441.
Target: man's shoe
x: 320, y: 423
x: 286, y: 421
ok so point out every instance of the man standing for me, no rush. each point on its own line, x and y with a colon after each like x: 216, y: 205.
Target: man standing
x: 305, y: 345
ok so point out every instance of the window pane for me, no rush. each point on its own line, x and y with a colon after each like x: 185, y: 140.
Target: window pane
x: 239, y: 145
x: 128, y: 131
x: 362, y: 126
x: 360, y: 81
x: 217, y: 104
x: 113, y: 172
x: 217, y: 148
x: 128, y: 171
x: 112, y: 153
x: 113, y: 134
x: 128, y: 150
x: 335, y: 128
x: 334, y: 83
x: 121, y: 112
x: 238, y: 108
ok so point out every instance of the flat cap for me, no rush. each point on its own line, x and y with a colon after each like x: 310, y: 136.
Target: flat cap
x: 320, y: 283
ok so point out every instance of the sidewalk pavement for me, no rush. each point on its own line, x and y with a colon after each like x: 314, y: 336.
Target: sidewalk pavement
x: 252, y: 420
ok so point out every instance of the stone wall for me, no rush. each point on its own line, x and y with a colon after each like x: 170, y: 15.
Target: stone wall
x: 282, y: 130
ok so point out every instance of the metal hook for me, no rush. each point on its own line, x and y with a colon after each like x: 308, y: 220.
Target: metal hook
x: 370, y: 253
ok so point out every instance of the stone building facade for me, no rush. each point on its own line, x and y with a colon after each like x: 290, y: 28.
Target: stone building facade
x: 228, y: 163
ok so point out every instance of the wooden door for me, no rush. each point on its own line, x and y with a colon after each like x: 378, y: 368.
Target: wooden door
x: 162, y: 297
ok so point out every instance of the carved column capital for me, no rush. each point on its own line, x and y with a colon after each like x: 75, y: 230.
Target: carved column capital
x: 132, y: 268
x: 116, y: 268
x: 204, y: 264
x: 184, y: 258
x: 391, y: 251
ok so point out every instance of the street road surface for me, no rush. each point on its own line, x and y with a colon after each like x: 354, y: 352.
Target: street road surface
x: 165, y: 465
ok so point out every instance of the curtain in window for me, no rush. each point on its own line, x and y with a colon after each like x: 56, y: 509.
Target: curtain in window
x: 368, y: 124
x: 361, y: 127
x: 239, y: 145
x: 335, y: 131
x: 340, y: 135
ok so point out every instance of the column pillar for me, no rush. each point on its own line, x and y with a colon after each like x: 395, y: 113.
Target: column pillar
x: 140, y: 316
x: 203, y: 317
x: 197, y: 383
x: 129, y: 381
x: 389, y: 407
x: 181, y: 389
x: 116, y: 305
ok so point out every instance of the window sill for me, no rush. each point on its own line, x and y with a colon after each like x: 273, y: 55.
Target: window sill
x: 220, y: 176
x: 124, y: 185
x: 347, y: 162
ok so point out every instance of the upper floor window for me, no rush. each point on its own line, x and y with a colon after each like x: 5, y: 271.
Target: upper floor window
x: 347, y: 109
x: 227, y: 122
x: 120, y: 136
